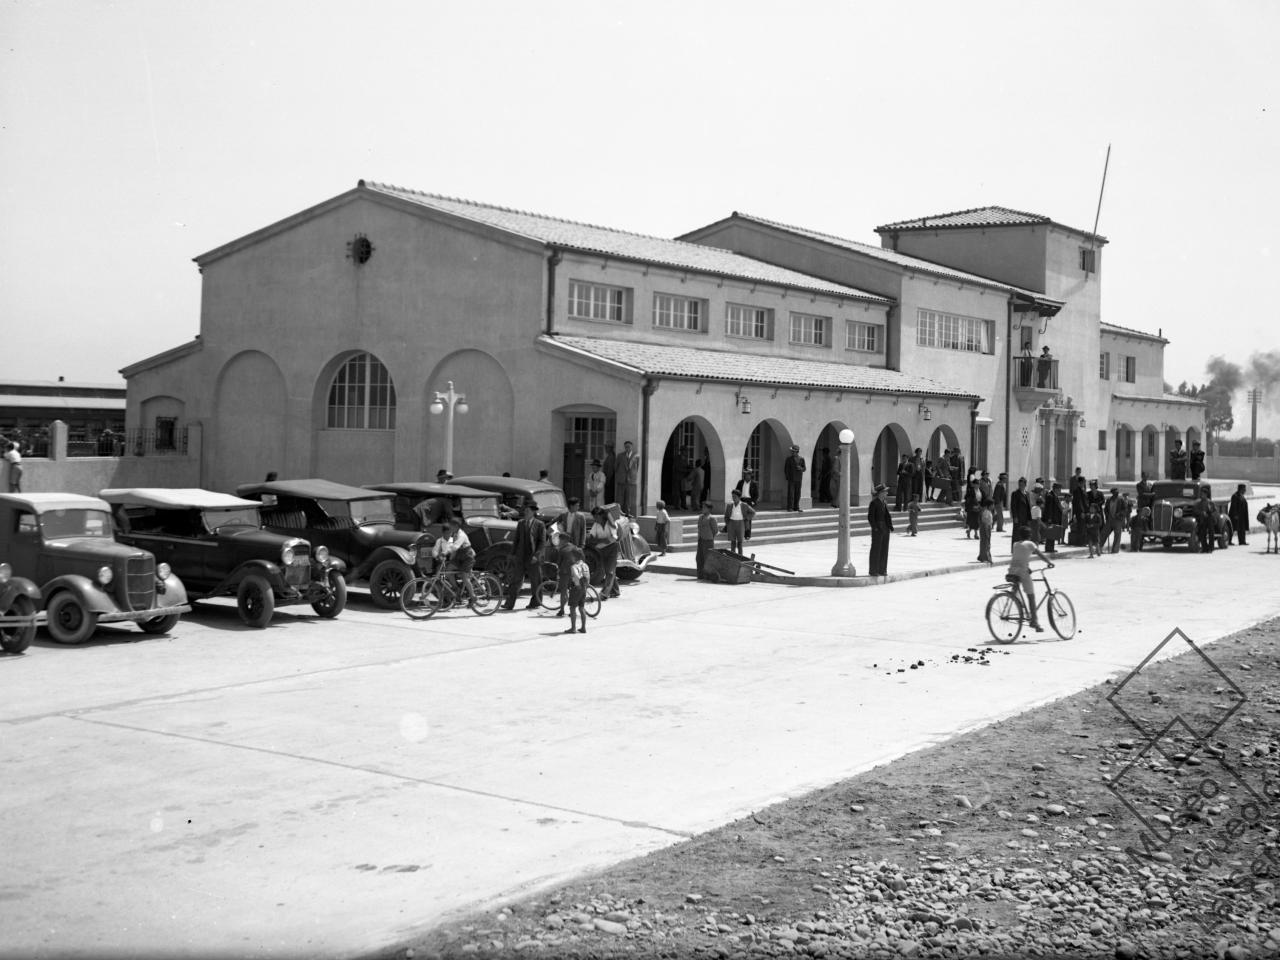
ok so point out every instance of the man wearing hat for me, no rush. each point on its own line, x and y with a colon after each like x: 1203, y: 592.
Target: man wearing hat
x: 1238, y: 513
x: 1177, y: 462
x: 749, y: 491
x: 881, y: 523
x: 1051, y: 517
x: 443, y: 476
x: 595, y: 486
x: 1196, y: 461
x: 1116, y: 513
x: 1020, y: 506
x: 1094, y: 500
x: 793, y: 469
x: 1000, y: 500
x: 531, y: 535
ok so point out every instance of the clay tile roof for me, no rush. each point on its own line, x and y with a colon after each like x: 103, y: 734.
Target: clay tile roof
x: 590, y: 238
x: 977, y: 217
x: 694, y: 363
x: 1116, y: 328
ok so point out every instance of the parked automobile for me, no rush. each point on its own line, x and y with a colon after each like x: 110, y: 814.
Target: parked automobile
x: 421, y: 506
x: 19, y: 603
x: 633, y: 554
x: 1173, y: 514
x: 216, y: 544
x: 356, y: 525
x: 65, y: 543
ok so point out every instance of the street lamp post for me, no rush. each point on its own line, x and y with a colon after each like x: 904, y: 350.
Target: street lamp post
x: 843, y: 567
x: 447, y: 403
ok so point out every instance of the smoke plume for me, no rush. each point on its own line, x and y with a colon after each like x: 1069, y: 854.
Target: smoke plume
x: 1224, y: 375
x: 1264, y: 372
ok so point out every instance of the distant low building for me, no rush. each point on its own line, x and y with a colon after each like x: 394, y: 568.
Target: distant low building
x: 28, y: 407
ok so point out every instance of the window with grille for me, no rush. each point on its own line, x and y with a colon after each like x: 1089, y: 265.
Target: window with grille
x: 678, y: 313
x: 754, y: 323
x: 950, y: 332
x: 866, y: 337
x: 595, y: 301
x: 810, y: 330
x: 595, y: 434
x: 1104, y: 366
x: 362, y: 396
x: 751, y: 455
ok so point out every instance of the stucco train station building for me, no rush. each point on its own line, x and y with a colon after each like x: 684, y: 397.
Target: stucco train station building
x: 324, y: 338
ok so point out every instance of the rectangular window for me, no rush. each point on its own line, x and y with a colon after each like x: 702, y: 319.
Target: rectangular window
x: 1104, y: 366
x: 1088, y: 262
x: 595, y: 301
x: 811, y: 330
x: 594, y: 434
x: 1130, y: 370
x: 754, y: 323
x: 866, y: 337
x: 1151, y: 443
x: 678, y: 313
x: 1102, y: 439
x: 950, y: 332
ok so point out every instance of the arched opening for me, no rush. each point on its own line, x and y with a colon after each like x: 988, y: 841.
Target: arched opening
x: 764, y: 455
x: 692, y: 442
x: 825, y: 467
x: 942, y: 439
x: 250, y: 391
x: 1126, y: 464
x: 1150, y: 452
x: 891, y: 444
x: 484, y: 436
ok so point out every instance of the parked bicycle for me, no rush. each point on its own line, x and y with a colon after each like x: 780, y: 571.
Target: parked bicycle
x: 547, y: 593
x: 424, y: 597
x: 1007, y: 610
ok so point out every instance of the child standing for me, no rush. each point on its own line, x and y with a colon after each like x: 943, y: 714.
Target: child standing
x: 661, y: 526
x: 913, y: 515
x: 579, y: 574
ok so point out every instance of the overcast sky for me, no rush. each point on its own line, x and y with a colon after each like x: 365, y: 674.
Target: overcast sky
x: 137, y: 135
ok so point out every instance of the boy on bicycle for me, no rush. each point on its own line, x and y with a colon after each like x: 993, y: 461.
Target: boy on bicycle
x: 1024, y: 548
x: 454, y: 550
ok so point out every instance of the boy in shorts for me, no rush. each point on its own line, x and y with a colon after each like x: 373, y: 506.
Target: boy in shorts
x: 1024, y: 548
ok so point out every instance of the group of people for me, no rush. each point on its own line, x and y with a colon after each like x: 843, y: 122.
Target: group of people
x: 1181, y: 462
x: 615, y: 478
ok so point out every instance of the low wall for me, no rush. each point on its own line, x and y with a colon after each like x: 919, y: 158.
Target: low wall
x: 88, y: 475
x: 1255, y: 469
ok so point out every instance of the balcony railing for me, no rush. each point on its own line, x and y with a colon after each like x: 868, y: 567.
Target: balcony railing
x: 1035, y: 373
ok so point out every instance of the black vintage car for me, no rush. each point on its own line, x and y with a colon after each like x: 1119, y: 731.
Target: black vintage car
x: 19, y: 601
x: 1173, y: 514
x: 356, y: 525
x: 423, y: 506
x: 216, y: 543
x: 65, y: 543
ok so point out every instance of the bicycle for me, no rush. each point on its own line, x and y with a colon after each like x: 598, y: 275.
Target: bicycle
x: 1007, y: 610
x: 548, y: 588
x: 424, y: 597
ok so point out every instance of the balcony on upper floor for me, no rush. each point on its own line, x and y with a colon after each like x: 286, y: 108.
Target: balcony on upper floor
x: 1035, y: 380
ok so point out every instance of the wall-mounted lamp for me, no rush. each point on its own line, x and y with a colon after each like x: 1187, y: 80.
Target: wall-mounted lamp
x: 1082, y: 423
x: 925, y: 412
x: 741, y: 400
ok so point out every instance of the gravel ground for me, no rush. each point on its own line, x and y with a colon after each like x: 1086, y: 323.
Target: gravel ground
x: 1025, y: 838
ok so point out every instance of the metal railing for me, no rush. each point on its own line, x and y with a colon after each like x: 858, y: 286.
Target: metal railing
x: 1035, y: 373
x: 149, y: 442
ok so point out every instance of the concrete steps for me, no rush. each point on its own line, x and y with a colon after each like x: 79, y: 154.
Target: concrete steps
x: 820, y: 522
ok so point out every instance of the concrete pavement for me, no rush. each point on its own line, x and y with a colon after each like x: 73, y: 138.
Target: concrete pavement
x: 330, y: 788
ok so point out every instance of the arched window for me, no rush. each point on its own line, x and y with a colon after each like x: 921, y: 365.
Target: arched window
x: 362, y: 396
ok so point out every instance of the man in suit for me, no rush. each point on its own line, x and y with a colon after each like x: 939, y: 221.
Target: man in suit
x: 881, y: 523
x: 1144, y: 492
x: 749, y: 490
x: 793, y: 469
x: 902, y: 492
x: 531, y: 536
x: 1000, y: 498
x: 1196, y: 461
x: 1115, y: 511
x: 1177, y: 462
x: 629, y: 473
x: 1020, y: 506
x: 1051, y: 517
x: 1238, y: 513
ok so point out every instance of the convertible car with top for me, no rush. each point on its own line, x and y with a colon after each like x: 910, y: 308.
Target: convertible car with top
x: 216, y: 543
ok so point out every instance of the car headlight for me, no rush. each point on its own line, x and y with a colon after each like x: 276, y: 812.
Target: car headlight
x: 322, y: 554
x: 6, y: 572
x: 105, y: 575
x: 163, y: 571
x: 1177, y: 514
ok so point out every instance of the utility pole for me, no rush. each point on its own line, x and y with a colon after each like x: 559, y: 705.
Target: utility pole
x: 1255, y: 398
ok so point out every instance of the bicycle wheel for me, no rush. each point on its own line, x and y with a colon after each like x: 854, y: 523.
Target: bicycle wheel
x: 423, y: 597
x: 487, y: 594
x: 1005, y: 614
x: 592, y: 604
x: 547, y: 591
x: 1062, y: 615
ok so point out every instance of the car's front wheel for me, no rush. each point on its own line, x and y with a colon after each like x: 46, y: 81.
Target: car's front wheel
x: 69, y: 621
x: 16, y: 638
x: 336, y: 600
x: 255, y: 601
x: 159, y: 624
x: 387, y: 583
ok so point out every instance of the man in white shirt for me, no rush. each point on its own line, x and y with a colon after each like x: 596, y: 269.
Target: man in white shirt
x: 454, y: 550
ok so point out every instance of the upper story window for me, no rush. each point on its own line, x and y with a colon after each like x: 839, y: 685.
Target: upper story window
x: 1104, y: 366
x: 596, y: 301
x: 867, y: 337
x: 1088, y: 259
x: 754, y: 323
x: 1128, y: 369
x: 678, y: 313
x: 362, y: 396
x: 811, y: 330
x: 951, y: 332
